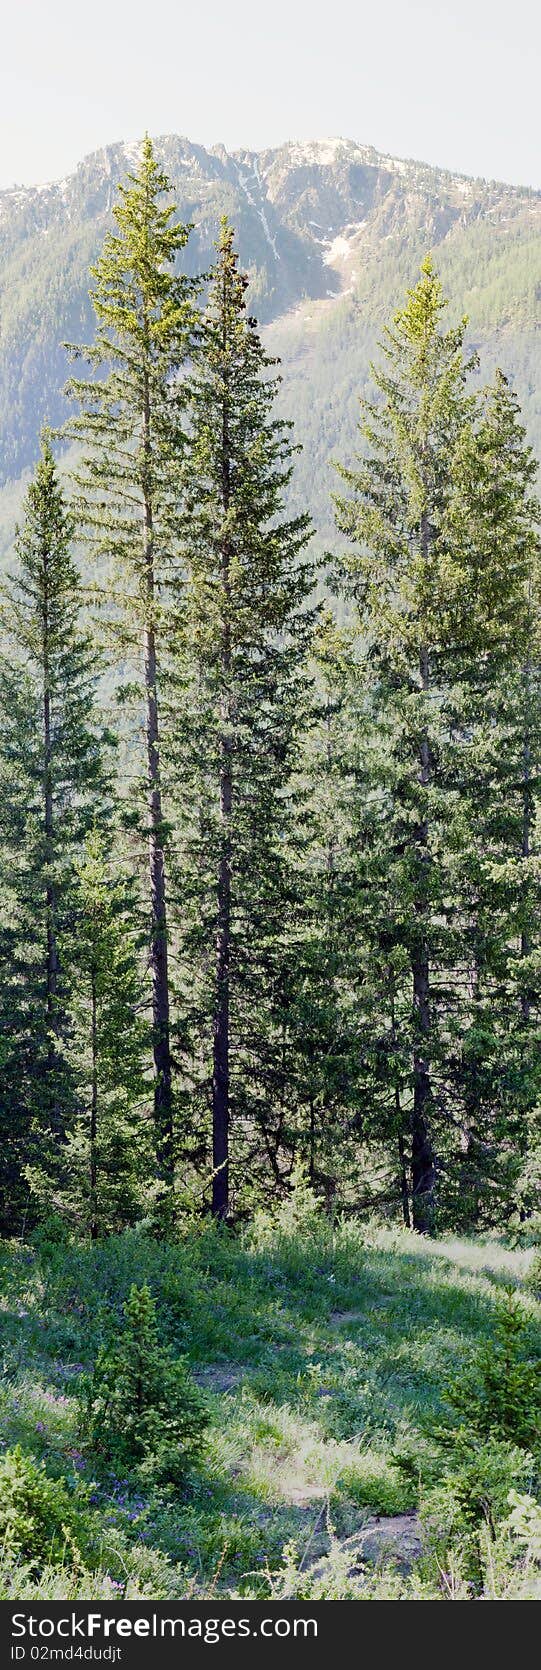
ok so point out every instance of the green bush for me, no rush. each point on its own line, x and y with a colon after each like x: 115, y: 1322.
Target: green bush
x: 142, y: 1410
x: 39, y: 1519
x: 500, y: 1396
x: 295, y: 1231
x: 524, y: 1523
x: 534, y: 1272
x: 472, y: 1496
x: 140, y: 1574
x: 373, y: 1482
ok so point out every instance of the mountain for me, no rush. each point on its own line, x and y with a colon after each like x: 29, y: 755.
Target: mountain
x: 331, y: 233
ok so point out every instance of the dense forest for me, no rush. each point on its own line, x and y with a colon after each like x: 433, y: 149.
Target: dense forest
x: 280, y: 907
x: 270, y: 937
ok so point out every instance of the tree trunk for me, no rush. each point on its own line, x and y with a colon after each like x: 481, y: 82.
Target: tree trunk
x: 51, y: 959
x: 403, y: 1170
x: 422, y: 1155
x: 312, y: 1165
x: 527, y: 820
x: 220, y: 1072
x: 94, y: 1227
x: 163, y: 1101
x: 220, y: 1075
x: 404, y: 1191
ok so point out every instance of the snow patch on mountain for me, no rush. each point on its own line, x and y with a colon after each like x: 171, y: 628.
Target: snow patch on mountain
x: 243, y: 182
x: 132, y: 149
x: 338, y: 248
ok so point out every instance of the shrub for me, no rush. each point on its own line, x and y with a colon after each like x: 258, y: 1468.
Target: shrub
x: 39, y: 1518
x: 472, y: 1497
x: 295, y: 1231
x: 374, y: 1482
x: 534, y: 1272
x: 142, y: 1409
x: 524, y: 1523
x: 155, y: 1581
x: 500, y: 1395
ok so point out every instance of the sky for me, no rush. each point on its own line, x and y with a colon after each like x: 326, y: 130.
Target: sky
x: 454, y: 84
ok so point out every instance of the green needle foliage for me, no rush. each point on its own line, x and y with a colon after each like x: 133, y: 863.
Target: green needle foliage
x: 405, y: 581
x: 55, y: 788
x: 500, y: 1395
x: 440, y: 519
x: 130, y: 427
x: 238, y: 700
x: 41, y: 1522
x: 327, y: 959
x: 495, y: 518
x: 344, y: 970
x: 144, y: 1411
x: 110, y: 1150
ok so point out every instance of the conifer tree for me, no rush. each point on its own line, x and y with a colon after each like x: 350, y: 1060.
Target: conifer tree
x: 55, y: 784
x: 244, y: 624
x: 495, y: 520
x: 131, y: 427
x: 407, y: 585
x: 439, y: 578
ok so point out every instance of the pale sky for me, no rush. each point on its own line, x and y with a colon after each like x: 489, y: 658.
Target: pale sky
x: 453, y: 82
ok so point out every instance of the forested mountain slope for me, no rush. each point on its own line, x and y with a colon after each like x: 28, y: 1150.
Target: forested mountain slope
x: 330, y: 232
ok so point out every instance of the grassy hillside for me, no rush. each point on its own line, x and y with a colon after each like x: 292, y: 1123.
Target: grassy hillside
x: 325, y: 1359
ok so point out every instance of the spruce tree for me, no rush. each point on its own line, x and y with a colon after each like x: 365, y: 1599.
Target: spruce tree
x: 243, y: 627
x: 439, y: 579
x: 495, y: 522
x: 406, y: 585
x: 55, y: 784
x: 130, y: 426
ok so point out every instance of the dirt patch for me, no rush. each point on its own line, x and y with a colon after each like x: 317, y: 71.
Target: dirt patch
x: 338, y: 1318
x: 396, y: 1538
x: 304, y: 1496
x: 220, y: 1377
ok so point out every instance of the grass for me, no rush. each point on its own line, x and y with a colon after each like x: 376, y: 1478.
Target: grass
x: 324, y: 1355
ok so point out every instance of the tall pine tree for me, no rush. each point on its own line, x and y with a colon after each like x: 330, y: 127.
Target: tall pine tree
x: 131, y: 429
x: 55, y: 784
x: 402, y: 578
x: 495, y: 522
x: 243, y: 627
x: 439, y: 573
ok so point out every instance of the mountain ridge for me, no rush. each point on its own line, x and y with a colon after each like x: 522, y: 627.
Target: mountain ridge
x: 318, y: 151
x: 330, y: 231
